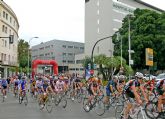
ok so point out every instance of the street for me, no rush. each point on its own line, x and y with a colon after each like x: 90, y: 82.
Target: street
x: 11, y: 109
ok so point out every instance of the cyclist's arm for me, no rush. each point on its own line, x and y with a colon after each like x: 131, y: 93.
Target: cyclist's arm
x: 137, y: 97
x: 143, y: 92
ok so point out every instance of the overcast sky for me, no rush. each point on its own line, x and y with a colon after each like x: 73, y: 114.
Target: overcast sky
x: 54, y: 19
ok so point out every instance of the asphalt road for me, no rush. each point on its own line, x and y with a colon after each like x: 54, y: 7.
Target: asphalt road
x: 11, y: 109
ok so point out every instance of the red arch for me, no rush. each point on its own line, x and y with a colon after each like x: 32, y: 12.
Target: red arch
x: 35, y: 63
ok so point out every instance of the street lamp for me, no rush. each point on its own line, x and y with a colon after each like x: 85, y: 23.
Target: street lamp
x: 28, y: 52
x: 129, y: 41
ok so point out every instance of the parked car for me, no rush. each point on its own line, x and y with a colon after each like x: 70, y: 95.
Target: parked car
x: 148, y: 76
x: 160, y: 76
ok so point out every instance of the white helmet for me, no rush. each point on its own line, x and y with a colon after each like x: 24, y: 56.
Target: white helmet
x: 139, y: 75
x: 122, y: 77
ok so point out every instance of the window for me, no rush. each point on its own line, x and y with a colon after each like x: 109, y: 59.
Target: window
x: 41, y: 48
x: 64, y: 54
x: 64, y: 46
x: 70, y: 61
x: 81, y: 48
x: 10, y: 20
x: 3, y: 28
x: 51, y: 53
x: 78, y: 61
x: 70, y: 46
x: 70, y: 54
x: 64, y: 61
x: 75, y: 47
x: 10, y: 32
x: 5, y: 43
x: 51, y: 45
x: 47, y: 47
x: 4, y: 14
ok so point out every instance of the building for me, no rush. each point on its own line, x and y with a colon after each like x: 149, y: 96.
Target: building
x: 62, y: 51
x: 8, y: 47
x: 103, y: 18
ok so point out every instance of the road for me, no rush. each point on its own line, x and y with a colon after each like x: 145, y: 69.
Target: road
x: 11, y: 109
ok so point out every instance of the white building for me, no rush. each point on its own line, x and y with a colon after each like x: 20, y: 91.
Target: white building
x: 8, y: 50
x: 103, y: 18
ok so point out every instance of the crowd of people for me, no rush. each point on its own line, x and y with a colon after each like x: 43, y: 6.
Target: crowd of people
x: 133, y: 90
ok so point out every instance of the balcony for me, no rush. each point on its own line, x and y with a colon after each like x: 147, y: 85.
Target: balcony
x: 9, y: 63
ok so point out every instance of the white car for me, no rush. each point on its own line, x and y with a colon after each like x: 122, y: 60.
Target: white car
x: 160, y: 77
x: 148, y: 76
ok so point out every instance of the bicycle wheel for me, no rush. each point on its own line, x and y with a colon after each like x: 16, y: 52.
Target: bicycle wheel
x: 86, y: 106
x: 151, y: 110
x: 25, y: 99
x: 40, y: 104
x: 119, y: 111
x: 79, y: 98
x: 112, y: 101
x: 99, y: 108
x: 20, y: 99
x: 63, y: 102
x: 49, y: 105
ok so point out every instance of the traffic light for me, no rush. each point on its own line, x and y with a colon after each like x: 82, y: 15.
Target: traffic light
x: 11, y: 39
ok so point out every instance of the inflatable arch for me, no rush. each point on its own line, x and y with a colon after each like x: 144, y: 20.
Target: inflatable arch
x: 37, y: 62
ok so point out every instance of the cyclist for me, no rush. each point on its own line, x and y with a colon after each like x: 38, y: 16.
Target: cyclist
x: 16, y: 82
x: 110, y: 89
x: 76, y: 86
x: 23, y: 86
x: 132, y: 89
x: 160, y: 87
x: 4, y: 86
x: 93, y: 89
x: 60, y: 85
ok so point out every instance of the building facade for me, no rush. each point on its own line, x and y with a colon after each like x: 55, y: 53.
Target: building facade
x: 103, y: 18
x: 62, y: 51
x: 8, y: 49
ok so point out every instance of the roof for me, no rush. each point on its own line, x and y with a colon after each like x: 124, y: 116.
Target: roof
x: 149, y: 5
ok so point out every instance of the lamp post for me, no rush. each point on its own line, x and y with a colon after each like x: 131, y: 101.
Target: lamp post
x: 28, y: 52
x: 129, y: 41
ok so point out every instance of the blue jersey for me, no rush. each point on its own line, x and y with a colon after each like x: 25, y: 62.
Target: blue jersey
x: 4, y: 83
x: 23, y: 84
x: 110, y: 83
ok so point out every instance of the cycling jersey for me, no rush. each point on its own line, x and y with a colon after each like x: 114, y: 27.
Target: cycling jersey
x: 4, y: 83
x: 23, y: 84
x: 159, y: 87
x: 128, y: 90
x: 39, y: 84
x: 16, y: 82
x: 45, y: 86
x: 60, y: 85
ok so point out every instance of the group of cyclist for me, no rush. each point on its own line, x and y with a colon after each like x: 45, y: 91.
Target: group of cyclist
x: 135, y: 90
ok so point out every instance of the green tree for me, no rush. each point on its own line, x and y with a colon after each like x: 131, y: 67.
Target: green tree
x: 147, y: 31
x: 109, y: 66
x: 23, y: 53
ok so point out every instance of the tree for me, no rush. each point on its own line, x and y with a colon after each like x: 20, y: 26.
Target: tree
x: 109, y: 66
x: 147, y: 31
x: 23, y: 53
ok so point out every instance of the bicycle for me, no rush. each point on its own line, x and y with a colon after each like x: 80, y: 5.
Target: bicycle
x: 97, y: 104
x: 138, y: 112
x: 151, y: 110
x: 46, y: 102
x: 60, y: 99
x: 23, y: 98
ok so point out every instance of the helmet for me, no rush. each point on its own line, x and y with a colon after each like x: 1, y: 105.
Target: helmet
x: 122, y: 77
x: 115, y: 77
x: 139, y: 75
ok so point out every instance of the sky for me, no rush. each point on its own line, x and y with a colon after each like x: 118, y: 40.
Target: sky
x: 54, y: 19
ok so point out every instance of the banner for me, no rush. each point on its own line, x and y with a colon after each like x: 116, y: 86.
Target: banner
x: 149, y: 57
